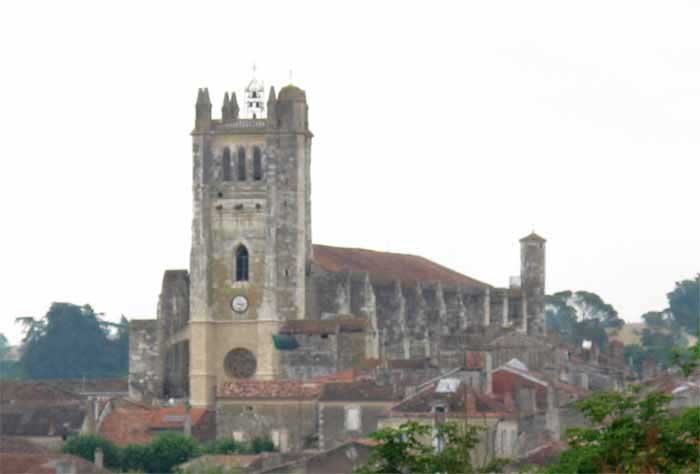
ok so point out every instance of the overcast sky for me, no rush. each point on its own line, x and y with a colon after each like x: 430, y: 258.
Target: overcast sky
x: 448, y: 130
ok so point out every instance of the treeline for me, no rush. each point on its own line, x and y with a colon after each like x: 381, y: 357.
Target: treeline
x: 73, y: 341
x: 582, y: 315
x: 162, y: 454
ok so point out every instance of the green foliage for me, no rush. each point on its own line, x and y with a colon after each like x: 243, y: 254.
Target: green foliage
x: 634, y: 433
x: 580, y: 316
x: 4, y: 346
x: 221, y: 446
x: 262, y: 445
x: 135, y: 457
x: 405, y: 449
x: 85, y: 445
x: 168, y: 450
x: 684, y: 305
x: 71, y: 342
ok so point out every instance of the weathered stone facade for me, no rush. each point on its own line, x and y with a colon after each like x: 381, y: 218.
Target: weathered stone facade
x: 253, y: 270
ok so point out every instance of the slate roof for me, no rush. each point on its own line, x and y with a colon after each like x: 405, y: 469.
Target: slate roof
x: 533, y: 237
x: 25, y: 392
x: 41, y: 420
x: 44, y: 463
x: 269, y: 390
x: 360, y: 391
x: 386, y: 266
x: 422, y: 402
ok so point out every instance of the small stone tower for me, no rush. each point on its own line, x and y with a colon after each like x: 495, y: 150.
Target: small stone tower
x: 532, y: 277
x: 251, y: 234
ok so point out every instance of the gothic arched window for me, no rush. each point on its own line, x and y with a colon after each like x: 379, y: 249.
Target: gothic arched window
x: 241, y: 164
x: 257, y: 164
x: 226, y: 164
x: 241, y: 263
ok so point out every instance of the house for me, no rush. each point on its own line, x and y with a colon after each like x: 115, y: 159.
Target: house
x: 19, y: 456
x: 283, y: 410
x: 450, y: 399
x: 351, y: 409
x: 41, y: 413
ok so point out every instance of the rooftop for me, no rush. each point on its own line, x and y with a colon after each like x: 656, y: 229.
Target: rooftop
x: 409, y: 269
x: 269, y: 390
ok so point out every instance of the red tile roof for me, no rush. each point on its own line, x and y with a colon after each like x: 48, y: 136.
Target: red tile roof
x: 128, y: 425
x: 174, y: 417
x: 410, y: 269
x: 269, y: 390
x: 316, y: 326
x: 475, y: 360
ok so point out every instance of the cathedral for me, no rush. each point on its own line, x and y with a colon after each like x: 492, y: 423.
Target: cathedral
x: 262, y: 301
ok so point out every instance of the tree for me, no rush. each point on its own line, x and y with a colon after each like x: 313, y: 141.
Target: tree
x: 4, y: 346
x: 70, y: 342
x: 684, y: 305
x: 580, y: 316
x: 170, y: 449
x: 404, y: 450
x: 85, y: 445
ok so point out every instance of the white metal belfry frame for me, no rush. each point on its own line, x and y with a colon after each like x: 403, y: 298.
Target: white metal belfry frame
x: 254, y: 102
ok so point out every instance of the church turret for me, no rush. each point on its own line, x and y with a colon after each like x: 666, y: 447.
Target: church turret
x: 226, y: 109
x: 202, y: 110
x: 292, y: 109
x: 532, y: 277
x: 233, y: 106
x: 272, y: 107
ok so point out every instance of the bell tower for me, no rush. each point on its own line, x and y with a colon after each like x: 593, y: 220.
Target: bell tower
x: 251, y: 233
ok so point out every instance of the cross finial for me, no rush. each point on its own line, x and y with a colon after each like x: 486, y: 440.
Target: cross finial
x: 255, y: 67
x: 291, y: 74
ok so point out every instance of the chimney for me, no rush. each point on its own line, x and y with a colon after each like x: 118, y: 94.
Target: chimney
x: 99, y: 458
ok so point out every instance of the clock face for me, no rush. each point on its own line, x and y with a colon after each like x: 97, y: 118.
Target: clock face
x: 239, y: 304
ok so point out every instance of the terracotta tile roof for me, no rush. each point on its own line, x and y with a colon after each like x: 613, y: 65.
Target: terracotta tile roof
x: 128, y: 425
x: 365, y: 390
x: 174, y: 417
x: 311, y: 326
x: 410, y: 269
x: 269, y: 390
x: 475, y: 360
x: 348, y: 375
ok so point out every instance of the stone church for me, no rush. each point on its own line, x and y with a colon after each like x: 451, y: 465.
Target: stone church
x: 261, y: 301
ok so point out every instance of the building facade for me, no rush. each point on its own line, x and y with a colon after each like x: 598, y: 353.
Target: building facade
x: 261, y: 302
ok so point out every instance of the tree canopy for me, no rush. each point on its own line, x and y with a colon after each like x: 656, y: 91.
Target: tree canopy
x: 634, y: 432
x: 72, y: 341
x: 684, y: 305
x: 407, y: 448
x: 581, y: 315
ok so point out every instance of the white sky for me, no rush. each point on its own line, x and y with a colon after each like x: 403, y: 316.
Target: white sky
x: 444, y: 129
